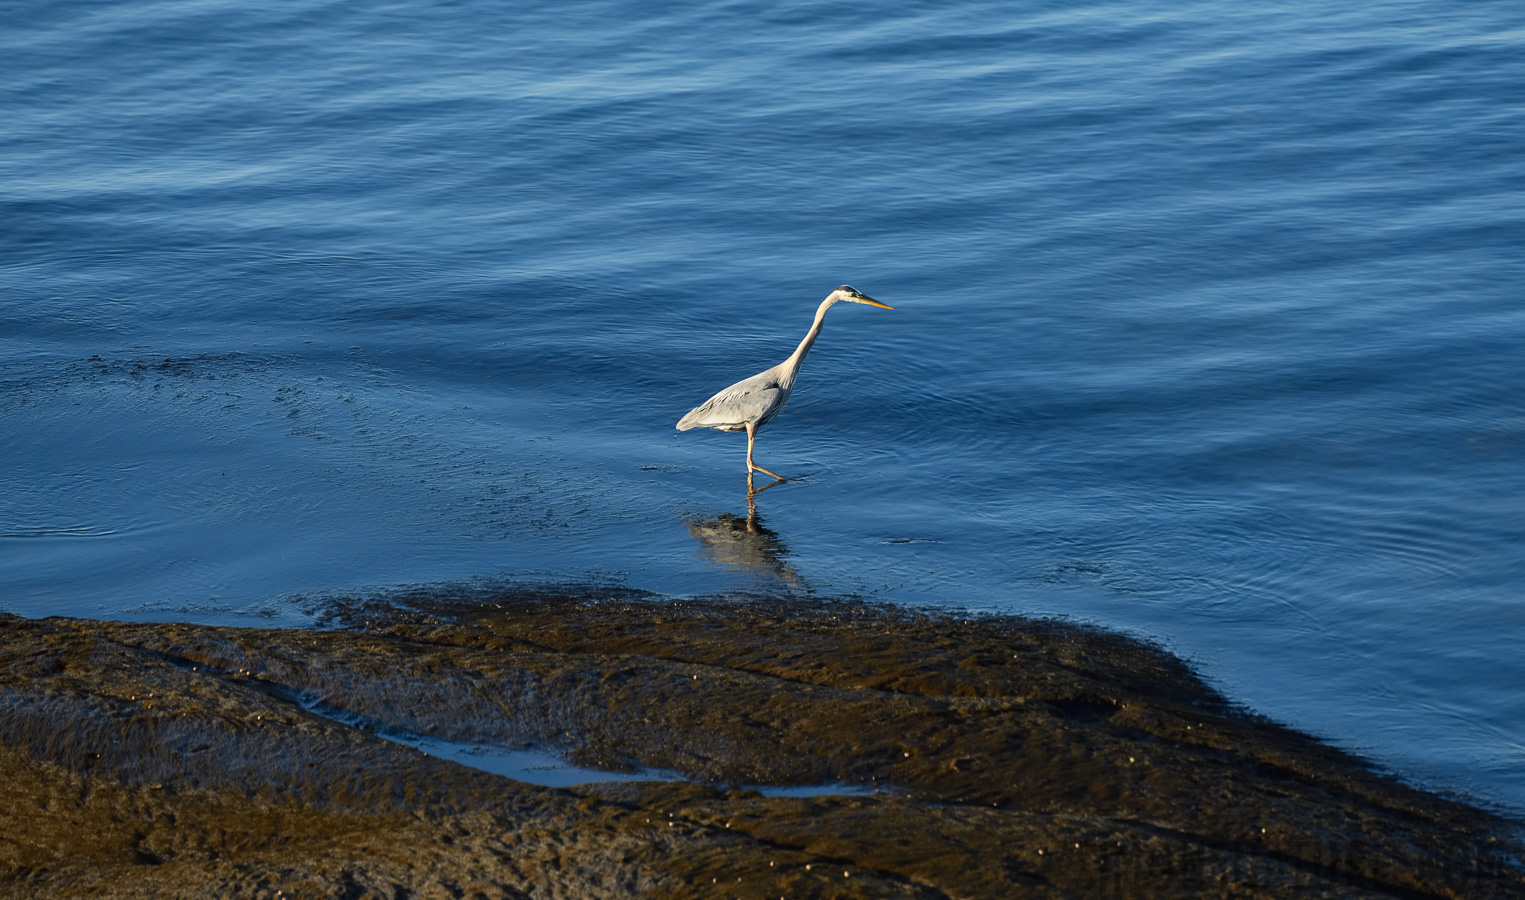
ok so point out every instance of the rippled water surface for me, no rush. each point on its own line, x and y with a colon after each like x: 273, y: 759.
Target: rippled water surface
x: 1208, y: 321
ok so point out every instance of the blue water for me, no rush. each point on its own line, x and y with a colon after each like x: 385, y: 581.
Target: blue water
x: 1209, y: 322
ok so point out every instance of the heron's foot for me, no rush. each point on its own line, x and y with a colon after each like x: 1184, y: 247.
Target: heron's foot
x: 751, y: 466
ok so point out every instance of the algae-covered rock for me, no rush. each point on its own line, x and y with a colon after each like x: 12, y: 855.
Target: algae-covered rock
x: 987, y: 757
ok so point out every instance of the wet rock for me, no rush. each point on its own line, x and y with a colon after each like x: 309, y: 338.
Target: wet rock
x: 1006, y: 757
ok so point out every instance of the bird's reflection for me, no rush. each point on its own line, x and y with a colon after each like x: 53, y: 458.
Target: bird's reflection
x: 743, y: 542
x: 753, y: 490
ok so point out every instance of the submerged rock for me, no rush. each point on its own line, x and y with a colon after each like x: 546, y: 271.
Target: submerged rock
x: 1006, y: 757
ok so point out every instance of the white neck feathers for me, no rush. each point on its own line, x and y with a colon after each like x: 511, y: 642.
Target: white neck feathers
x: 791, y: 365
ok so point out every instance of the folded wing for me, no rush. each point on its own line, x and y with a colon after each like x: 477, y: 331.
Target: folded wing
x: 756, y: 399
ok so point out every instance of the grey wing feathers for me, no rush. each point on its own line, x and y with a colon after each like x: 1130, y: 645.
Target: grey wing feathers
x: 757, y: 399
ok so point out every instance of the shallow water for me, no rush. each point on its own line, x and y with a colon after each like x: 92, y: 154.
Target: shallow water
x: 533, y: 765
x: 542, y: 764
x: 547, y: 768
x: 1208, y: 322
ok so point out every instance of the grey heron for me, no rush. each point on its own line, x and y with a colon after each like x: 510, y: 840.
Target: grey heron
x: 752, y: 402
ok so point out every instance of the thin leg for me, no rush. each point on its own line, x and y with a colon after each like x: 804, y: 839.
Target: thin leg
x: 752, y: 436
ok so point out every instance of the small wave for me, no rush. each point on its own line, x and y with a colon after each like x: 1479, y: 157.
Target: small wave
x: 78, y: 531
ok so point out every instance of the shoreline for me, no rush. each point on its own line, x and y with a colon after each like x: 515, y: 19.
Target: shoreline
x: 988, y: 756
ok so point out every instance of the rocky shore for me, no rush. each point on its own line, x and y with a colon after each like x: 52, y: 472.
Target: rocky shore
x: 983, y: 757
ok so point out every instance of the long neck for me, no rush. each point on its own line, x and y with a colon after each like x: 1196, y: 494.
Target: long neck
x: 792, y: 364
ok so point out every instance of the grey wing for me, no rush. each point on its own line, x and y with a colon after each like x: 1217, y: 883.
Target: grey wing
x: 757, y: 399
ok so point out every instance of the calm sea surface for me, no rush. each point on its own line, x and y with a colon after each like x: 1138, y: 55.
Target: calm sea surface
x: 1209, y: 321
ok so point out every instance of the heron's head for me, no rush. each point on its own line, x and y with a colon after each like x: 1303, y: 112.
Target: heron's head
x: 850, y: 294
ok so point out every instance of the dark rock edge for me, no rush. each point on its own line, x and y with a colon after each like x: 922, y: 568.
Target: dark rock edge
x: 1011, y: 757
